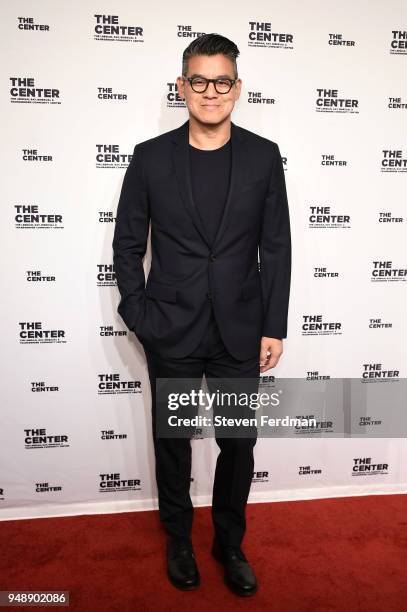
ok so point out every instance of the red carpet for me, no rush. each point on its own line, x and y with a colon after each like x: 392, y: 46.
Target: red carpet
x: 345, y: 554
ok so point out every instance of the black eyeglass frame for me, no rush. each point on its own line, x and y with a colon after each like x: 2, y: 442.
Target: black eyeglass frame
x: 214, y: 81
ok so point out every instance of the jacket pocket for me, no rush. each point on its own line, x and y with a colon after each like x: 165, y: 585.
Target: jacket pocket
x: 253, y: 185
x: 160, y: 291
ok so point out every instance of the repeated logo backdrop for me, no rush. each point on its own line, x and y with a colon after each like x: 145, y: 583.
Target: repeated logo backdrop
x: 81, y: 84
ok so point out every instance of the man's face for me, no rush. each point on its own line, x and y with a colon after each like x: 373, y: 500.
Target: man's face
x: 209, y: 107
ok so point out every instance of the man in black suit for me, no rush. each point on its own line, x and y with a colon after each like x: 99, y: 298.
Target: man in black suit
x: 216, y: 198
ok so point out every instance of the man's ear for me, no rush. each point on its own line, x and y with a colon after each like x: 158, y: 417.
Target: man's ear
x: 180, y: 86
x: 238, y: 87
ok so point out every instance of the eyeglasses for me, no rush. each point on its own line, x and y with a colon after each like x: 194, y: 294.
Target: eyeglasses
x: 200, y: 84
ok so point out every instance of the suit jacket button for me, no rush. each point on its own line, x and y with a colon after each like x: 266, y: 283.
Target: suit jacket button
x: 212, y: 257
x: 209, y: 295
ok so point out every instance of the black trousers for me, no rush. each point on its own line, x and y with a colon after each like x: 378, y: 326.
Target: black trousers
x: 235, y: 462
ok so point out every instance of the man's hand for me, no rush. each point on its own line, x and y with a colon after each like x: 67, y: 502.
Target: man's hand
x: 270, y: 352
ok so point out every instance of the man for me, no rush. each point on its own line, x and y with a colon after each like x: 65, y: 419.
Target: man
x: 216, y: 198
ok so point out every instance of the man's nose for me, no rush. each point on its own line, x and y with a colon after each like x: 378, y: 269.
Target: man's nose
x: 211, y: 91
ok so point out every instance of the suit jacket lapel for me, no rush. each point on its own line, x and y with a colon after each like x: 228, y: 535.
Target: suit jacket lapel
x: 181, y: 161
x: 237, y: 174
x: 237, y: 177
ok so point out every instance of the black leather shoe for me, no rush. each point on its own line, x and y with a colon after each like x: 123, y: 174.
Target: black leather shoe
x: 239, y: 575
x: 182, y: 569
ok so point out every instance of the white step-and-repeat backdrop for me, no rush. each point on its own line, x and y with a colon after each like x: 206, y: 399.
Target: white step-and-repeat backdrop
x: 81, y: 83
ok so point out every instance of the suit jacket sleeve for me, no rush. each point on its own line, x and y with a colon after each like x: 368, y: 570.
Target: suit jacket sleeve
x: 130, y: 242
x: 275, y: 253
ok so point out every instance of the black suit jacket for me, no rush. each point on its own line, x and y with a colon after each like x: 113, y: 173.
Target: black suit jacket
x: 169, y: 314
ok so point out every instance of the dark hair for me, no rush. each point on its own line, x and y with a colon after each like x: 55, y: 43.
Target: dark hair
x: 210, y: 44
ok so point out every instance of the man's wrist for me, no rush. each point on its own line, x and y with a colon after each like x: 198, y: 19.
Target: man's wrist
x: 270, y: 333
